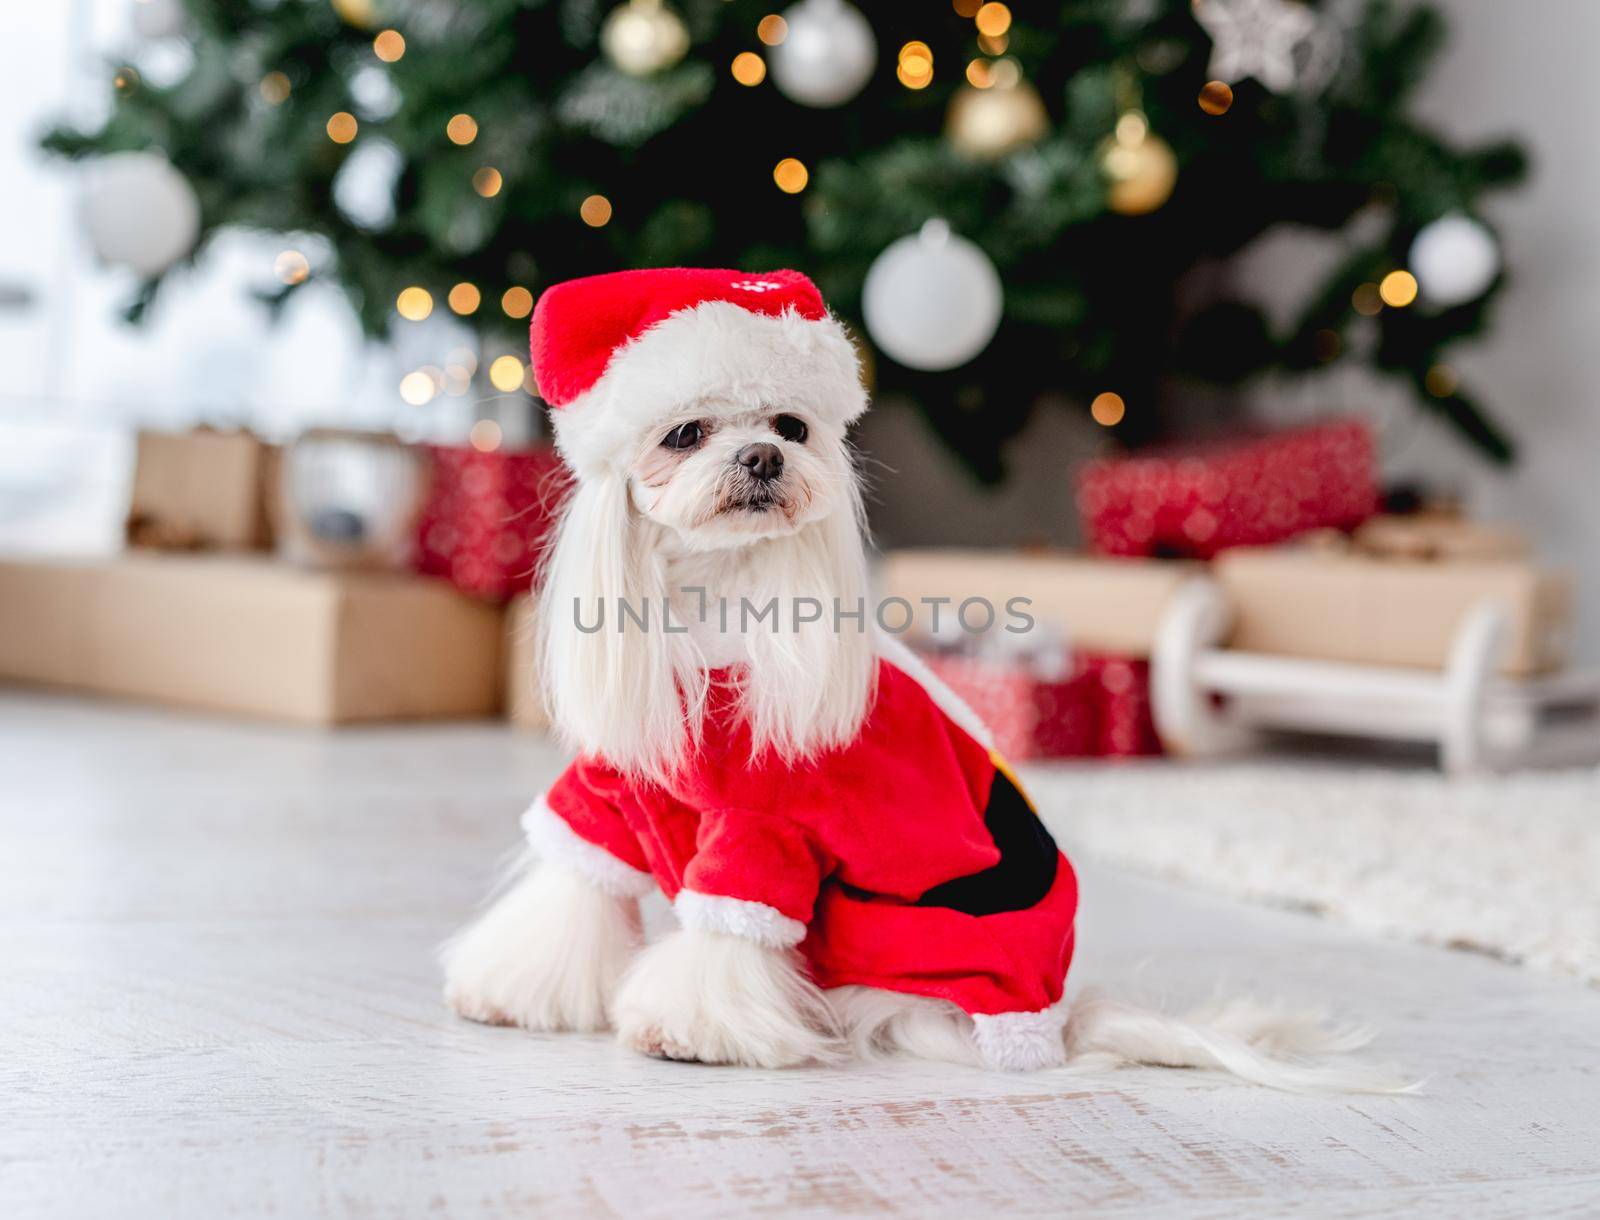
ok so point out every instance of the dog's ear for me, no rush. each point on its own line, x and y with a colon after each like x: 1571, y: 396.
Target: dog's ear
x: 611, y: 685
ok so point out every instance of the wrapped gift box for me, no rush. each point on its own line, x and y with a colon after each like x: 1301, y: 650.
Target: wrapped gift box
x: 1347, y: 606
x: 1251, y: 491
x: 1102, y: 604
x: 524, y: 707
x: 487, y: 516
x: 1431, y: 536
x: 250, y: 635
x: 1030, y: 716
x: 204, y: 489
x: 1119, y: 693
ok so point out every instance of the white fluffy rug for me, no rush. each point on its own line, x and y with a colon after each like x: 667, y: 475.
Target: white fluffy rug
x: 1505, y: 866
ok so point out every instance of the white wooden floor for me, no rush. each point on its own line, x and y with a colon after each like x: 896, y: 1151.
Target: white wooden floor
x: 217, y: 997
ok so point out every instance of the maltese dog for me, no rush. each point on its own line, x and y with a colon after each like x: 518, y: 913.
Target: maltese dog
x: 854, y: 869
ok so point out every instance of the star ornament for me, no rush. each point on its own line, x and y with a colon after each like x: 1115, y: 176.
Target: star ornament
x: 1257, y: 38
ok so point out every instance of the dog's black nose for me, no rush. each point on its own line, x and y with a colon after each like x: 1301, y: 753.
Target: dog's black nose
x: 763, y: 460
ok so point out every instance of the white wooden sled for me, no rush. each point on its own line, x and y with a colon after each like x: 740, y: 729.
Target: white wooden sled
x: 1209, y: 699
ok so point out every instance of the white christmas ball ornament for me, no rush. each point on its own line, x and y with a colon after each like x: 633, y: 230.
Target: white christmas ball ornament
x: 932, y: 300
x: 140, y: 212
x: 1455, y: 259
x: 827, y: 56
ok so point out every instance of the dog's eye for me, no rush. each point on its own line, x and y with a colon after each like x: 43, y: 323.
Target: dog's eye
x: 791, y: 428
x: 684, y: 436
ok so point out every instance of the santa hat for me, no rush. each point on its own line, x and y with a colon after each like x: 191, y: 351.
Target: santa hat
x: 618, y: 355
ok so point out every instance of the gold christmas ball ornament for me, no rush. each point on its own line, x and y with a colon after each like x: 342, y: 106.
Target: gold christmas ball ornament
x: 643, y: 37
x: 989, y: 122
x: 1140, y: 167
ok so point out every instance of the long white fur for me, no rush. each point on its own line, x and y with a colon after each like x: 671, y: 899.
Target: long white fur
x: 548, y: 954
x: 715, y: 998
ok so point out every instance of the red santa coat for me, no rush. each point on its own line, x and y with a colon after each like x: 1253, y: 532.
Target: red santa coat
x: 909, y: 860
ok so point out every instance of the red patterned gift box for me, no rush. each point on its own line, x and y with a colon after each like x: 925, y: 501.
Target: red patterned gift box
x: 1124, y: 726
x: 1252, y: 491
x: 487, y: 516
x: 1030, y: 716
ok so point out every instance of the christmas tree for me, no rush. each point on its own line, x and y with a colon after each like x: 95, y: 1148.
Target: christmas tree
x: 1086, y: 167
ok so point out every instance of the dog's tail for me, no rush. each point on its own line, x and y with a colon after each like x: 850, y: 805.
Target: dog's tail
x: 1296, y: 1050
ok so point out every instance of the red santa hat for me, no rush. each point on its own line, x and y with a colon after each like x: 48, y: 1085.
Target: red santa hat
x: 620, y: 355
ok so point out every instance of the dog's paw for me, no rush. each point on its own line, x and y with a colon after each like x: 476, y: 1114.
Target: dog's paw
x: 546, y: 957
x: 704, y: 997
x: 468, y: 1001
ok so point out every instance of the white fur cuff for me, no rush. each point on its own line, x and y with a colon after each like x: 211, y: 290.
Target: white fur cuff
x: 557, y: 843
x: 738, y: 917
x: 1022, y: 1041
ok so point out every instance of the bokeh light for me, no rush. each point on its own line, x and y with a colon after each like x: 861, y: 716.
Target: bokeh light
x: 1215, y: 97
x: 993, y: 19
x: 275, y: 88
x: 342, y: 127
x: 418, y: 388
x: 465, y: 298
x: 1398, y: 289
x: 505, y: 374
x: 595, y: 211
x: 389, y: 46
x: 1107, y: 409
x: 749, y: 68
x: 462, y: 129
x: 414, y: 303
x: 487, y: 182
x: 291, y: 267
x: 791, y: 176
x: 517, y: 302
x: 485, y: 436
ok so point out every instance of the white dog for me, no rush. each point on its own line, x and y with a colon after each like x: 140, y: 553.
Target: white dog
x: 854, y: 869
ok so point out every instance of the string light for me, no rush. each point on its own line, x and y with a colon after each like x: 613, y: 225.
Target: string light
x: 1107, y: 409
x: 967, y: 8
x: 354, y: 12
x: 993, y: 19
x: 749, y: 68
x: 505, y: 374
x: 417, y: 388
x: 772, y: 29
x: 274, y: 88
x: 1398, y: 288
x: 995, y: 45
x: 485, y: 436
x: 1006, y: 73
x: 414, y: 303
x: 389, y: 46
x: 915, y: 65
x: 291, y: 267
x: 1441, y: 381
x: 517, y: 302
x: 791, y: 175
x: 595, y: 211
x: 1215, y: 97
x: 462, y: 129
x: 464, y: 298
x: 487, y: 182
x: 1366, y: 300
x: 342, y: 127
x: 978, y: 75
